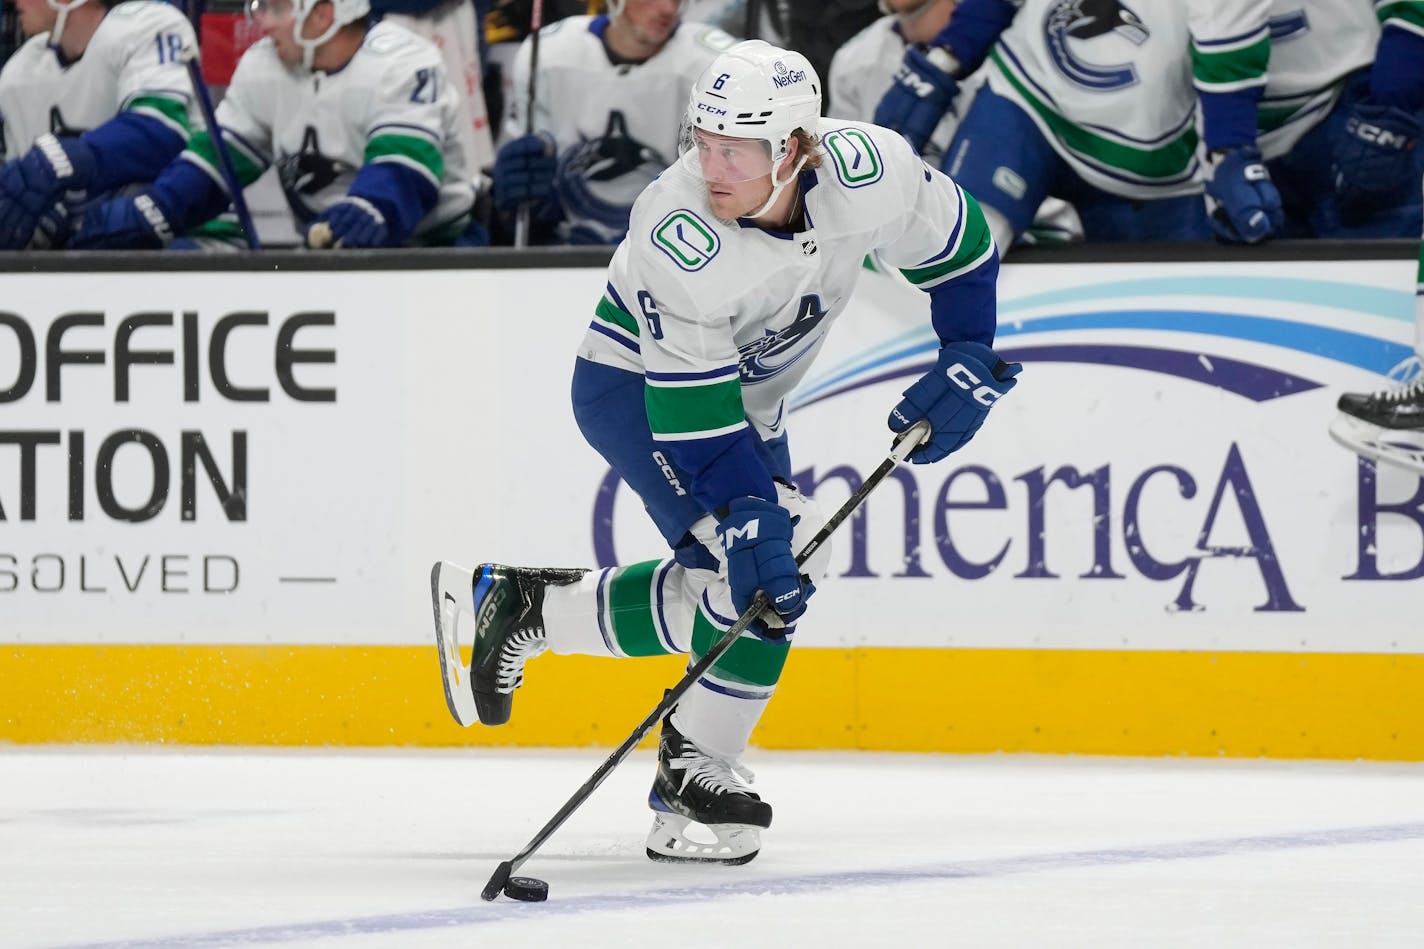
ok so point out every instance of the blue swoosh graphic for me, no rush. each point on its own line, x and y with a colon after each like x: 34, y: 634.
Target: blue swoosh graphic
x: 1355, y: 349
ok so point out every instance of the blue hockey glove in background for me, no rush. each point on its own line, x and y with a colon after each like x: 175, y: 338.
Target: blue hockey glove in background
x: 1372, y: 159
x: 138, y: 222
x: 1242, y: 203
x: 954, y: 397
x: 38, y: 190
x: 524, y: 172
x: 923, y: 90
x: 756, y: 539
x: 350, y: 222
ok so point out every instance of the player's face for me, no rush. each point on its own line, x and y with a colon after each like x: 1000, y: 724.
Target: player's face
x: 650, y: 21
x: 737, y: 172
x: 35, y: 16
x: 907, y: 6
x: 277, y: 19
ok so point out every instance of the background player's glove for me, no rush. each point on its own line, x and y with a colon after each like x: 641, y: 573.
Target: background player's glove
x: 350, y: 222
x: 1371, y: 159
x: 1242, y: 202
x: 954, y: 397
x: 756, y: 539
x: 524, y: 172
x: 923, y: 90
x: 138, y: 221
x: 38, y: 190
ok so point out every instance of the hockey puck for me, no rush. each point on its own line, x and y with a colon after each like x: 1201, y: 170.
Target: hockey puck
x: 526, y: 889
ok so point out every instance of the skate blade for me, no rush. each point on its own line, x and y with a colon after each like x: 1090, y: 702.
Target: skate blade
x: 1402, y: 448
x: 735, y: 844
x: 450, y: 595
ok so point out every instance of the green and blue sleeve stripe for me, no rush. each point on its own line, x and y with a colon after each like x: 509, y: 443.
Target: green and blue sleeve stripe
x: 612, y: 319
x: 961, y: 278
x: 1230, y: 76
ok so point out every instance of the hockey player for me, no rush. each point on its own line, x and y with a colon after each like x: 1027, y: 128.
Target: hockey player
x: 1342, y: 114
x: 1093, y: 101
x: 360, y: 121
x: 96, y: 99
x: 740, y: 257
x: 864, y: 68
x: 1388, y: 425
x: 610, y: 94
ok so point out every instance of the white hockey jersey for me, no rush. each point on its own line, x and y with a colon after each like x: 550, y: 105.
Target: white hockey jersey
x: 861, y: 73
x: 705, y: 307
x: 391, y: 103
x: 132, y: 63
x: 1113, y: 85
x: 616, y: 125
x: 1315, y: 44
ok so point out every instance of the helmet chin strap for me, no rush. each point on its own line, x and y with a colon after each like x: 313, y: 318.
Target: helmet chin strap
x: 777, y: 186
x: 309, y: 47
x: 56, y: 35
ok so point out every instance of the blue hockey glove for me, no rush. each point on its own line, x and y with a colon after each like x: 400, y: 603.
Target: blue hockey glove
x: 756, y: 539
x: 1242, y: 203
x: 954, y: 397
x: 1372, y: 159
x: 922, y: 91
x: 138, y: 221
x: 350, y: 222
x: 38, y: 190
x: 524, y: 172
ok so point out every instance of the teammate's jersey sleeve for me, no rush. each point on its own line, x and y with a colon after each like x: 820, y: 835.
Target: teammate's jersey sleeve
x: 152, y: 80
x: 245, y: 115
x: 410, y: 108
x: 1397, y: 78
x: 1231, y: 47
x: 941, y: 243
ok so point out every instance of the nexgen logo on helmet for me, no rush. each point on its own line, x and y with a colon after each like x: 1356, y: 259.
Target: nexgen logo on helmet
x: 759, y: 94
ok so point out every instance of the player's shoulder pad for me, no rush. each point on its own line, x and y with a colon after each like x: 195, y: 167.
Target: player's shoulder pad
x: 259, y: 62
x: 703, y: 39
x: 392, y: 42
x: 671, y: 228
x: 859, y: 155
x: 29, y: 51
x: 156, y: 11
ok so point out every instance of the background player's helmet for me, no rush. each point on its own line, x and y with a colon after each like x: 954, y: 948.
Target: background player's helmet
x: 615, y: 7
x: 346, y: 11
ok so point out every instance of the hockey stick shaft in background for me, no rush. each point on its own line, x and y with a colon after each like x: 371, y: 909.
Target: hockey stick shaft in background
x: 536, y: 23
x: 229, y: 173
x: 905, y: 443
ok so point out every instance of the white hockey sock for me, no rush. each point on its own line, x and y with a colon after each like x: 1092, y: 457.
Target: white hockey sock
x: 644, y: 609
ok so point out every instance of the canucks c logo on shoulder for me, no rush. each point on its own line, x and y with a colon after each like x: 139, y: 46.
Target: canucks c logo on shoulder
x: 686, y: 239
x: 1070, y: 24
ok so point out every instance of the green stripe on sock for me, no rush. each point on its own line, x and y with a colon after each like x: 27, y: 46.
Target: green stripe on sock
x: 750, y: 661
x: 630, y: 601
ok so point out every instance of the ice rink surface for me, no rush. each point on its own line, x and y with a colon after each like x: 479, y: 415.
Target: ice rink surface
x: 139, y: 847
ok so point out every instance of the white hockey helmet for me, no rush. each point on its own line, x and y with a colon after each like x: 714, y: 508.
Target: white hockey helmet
x: 615, y: 7
x: 760, y: 94
x: 343, y: 12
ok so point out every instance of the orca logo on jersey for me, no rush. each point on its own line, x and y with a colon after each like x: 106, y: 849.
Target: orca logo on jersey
x: 599, y: 178
x: 1081, y: 21
x: 307, y: 174
x: 758, y: 361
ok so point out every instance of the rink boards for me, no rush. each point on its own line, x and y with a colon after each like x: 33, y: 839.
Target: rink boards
x: 221, y: 493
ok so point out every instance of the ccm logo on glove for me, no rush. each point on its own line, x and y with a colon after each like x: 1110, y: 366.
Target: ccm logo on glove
x: 967, y: 381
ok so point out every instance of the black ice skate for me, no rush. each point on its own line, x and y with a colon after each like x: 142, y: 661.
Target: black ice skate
x: 694, y: 787
x: 1387, y: 425
x: 507, y: 604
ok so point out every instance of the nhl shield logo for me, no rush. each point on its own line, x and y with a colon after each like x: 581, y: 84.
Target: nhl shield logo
x: 808, y: 247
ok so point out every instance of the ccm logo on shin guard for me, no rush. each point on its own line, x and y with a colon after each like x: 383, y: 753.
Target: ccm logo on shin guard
x: 966, y: 380
x: 747, y: 531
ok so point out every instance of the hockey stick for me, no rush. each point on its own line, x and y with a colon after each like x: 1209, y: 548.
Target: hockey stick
x: 536, y: 23
x: 234, y: 187
x: 906, y: 442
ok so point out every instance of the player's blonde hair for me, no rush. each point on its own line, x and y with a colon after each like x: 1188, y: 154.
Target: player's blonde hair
x: 809, y: 145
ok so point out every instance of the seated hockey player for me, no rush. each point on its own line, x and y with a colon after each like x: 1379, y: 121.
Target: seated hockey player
x: 738, y: 261
x: 360, y: 121
x: 609, y: 97
x: 97, y: 98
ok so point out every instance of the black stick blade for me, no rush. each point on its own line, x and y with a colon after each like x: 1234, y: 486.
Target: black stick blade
x: 496, y: 883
